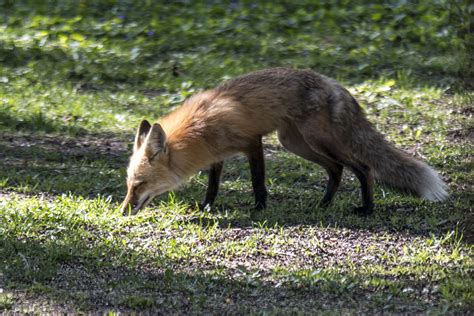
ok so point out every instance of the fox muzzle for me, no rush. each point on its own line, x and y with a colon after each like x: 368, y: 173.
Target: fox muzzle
x: 131, y: 205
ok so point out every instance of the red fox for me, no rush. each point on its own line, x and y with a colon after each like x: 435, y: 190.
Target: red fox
x: 315, y: 118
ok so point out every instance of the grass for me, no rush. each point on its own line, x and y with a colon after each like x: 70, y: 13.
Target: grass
x: 75, y: 81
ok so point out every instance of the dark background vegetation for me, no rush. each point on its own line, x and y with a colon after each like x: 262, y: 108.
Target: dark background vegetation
x: 139, y: 42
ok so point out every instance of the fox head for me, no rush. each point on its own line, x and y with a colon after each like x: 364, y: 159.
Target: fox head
x: 148, y: 173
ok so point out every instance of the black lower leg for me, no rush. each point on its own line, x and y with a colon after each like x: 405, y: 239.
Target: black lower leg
x: 257, y: 171
x: 365, y: 177
x: 366, y: 185
x: 333, y: 183
x: 213, y: 184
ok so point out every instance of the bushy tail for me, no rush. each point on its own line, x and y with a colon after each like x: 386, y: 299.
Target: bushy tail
x: 395, y: 168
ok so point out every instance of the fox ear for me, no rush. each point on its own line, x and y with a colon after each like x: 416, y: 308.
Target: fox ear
x: 142, y: 131
x: 155, y: 141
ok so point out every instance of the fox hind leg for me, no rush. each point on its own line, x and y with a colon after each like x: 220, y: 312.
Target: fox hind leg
x: 332, y: 148
x: 366, y: 180
x: 293, y: 141
x: 363, y: 174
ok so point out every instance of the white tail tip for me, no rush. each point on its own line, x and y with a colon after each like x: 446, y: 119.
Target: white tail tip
x: 433, y: 188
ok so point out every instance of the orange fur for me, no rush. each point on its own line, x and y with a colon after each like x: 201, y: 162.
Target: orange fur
x: 195, y: 130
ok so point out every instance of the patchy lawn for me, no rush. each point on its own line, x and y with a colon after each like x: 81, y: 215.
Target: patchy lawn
x: 75, y: 81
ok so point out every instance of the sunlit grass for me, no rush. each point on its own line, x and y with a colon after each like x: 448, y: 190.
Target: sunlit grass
x: 75, y: 81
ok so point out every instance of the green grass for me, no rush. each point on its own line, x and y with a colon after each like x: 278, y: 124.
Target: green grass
x: 75, y: 81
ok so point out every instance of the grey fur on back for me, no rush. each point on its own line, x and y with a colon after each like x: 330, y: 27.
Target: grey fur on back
x: 298, y: 93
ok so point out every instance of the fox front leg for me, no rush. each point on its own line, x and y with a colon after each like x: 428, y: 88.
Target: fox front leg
x: 257, y: 171
x: 215, y: 172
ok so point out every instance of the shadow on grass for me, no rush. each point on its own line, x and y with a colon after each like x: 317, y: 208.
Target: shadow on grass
x: 73, y: 273
x: 36, y: 122
x: 413, y: 72
x: 88, y: 165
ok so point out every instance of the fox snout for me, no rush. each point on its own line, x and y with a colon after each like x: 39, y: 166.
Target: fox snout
x: 133, y: 203
x: 130, y: 204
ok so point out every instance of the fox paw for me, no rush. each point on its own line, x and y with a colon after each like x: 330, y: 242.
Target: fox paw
x: 363, y: 210
x: 323, y: 204
x: 260, y: 206
x: 204, y: 207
